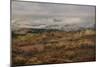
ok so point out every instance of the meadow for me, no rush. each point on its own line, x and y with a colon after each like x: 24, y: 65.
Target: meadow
x: 54, y: 47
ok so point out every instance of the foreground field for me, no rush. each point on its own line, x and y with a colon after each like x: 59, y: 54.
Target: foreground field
x: 54, y: 47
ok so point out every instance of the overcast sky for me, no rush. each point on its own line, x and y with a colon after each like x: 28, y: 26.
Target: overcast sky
x: 43, y: 13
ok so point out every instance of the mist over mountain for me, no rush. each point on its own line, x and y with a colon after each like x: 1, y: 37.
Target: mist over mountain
x: 52, y: 16
x: 66, y: 24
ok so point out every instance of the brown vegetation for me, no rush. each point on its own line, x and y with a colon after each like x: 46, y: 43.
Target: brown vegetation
x: 54, y: 47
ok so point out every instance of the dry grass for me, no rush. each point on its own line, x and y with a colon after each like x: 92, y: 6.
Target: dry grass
x: 54, y: 47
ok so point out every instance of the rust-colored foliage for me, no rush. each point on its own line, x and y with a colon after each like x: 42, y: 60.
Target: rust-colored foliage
x: 54, y: 47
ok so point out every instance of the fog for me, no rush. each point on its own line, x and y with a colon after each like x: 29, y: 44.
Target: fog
x: 42, y: 15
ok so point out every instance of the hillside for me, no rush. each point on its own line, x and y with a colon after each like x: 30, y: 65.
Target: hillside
x: 54, y: 47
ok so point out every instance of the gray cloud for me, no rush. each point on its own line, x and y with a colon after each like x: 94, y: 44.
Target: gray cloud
x: 45, y: 13
x: 51, y: 9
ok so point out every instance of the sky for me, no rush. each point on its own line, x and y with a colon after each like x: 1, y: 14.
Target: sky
x: 40, y: 15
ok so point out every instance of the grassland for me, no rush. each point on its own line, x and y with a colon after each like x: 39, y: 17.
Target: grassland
x: 54, y: 47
